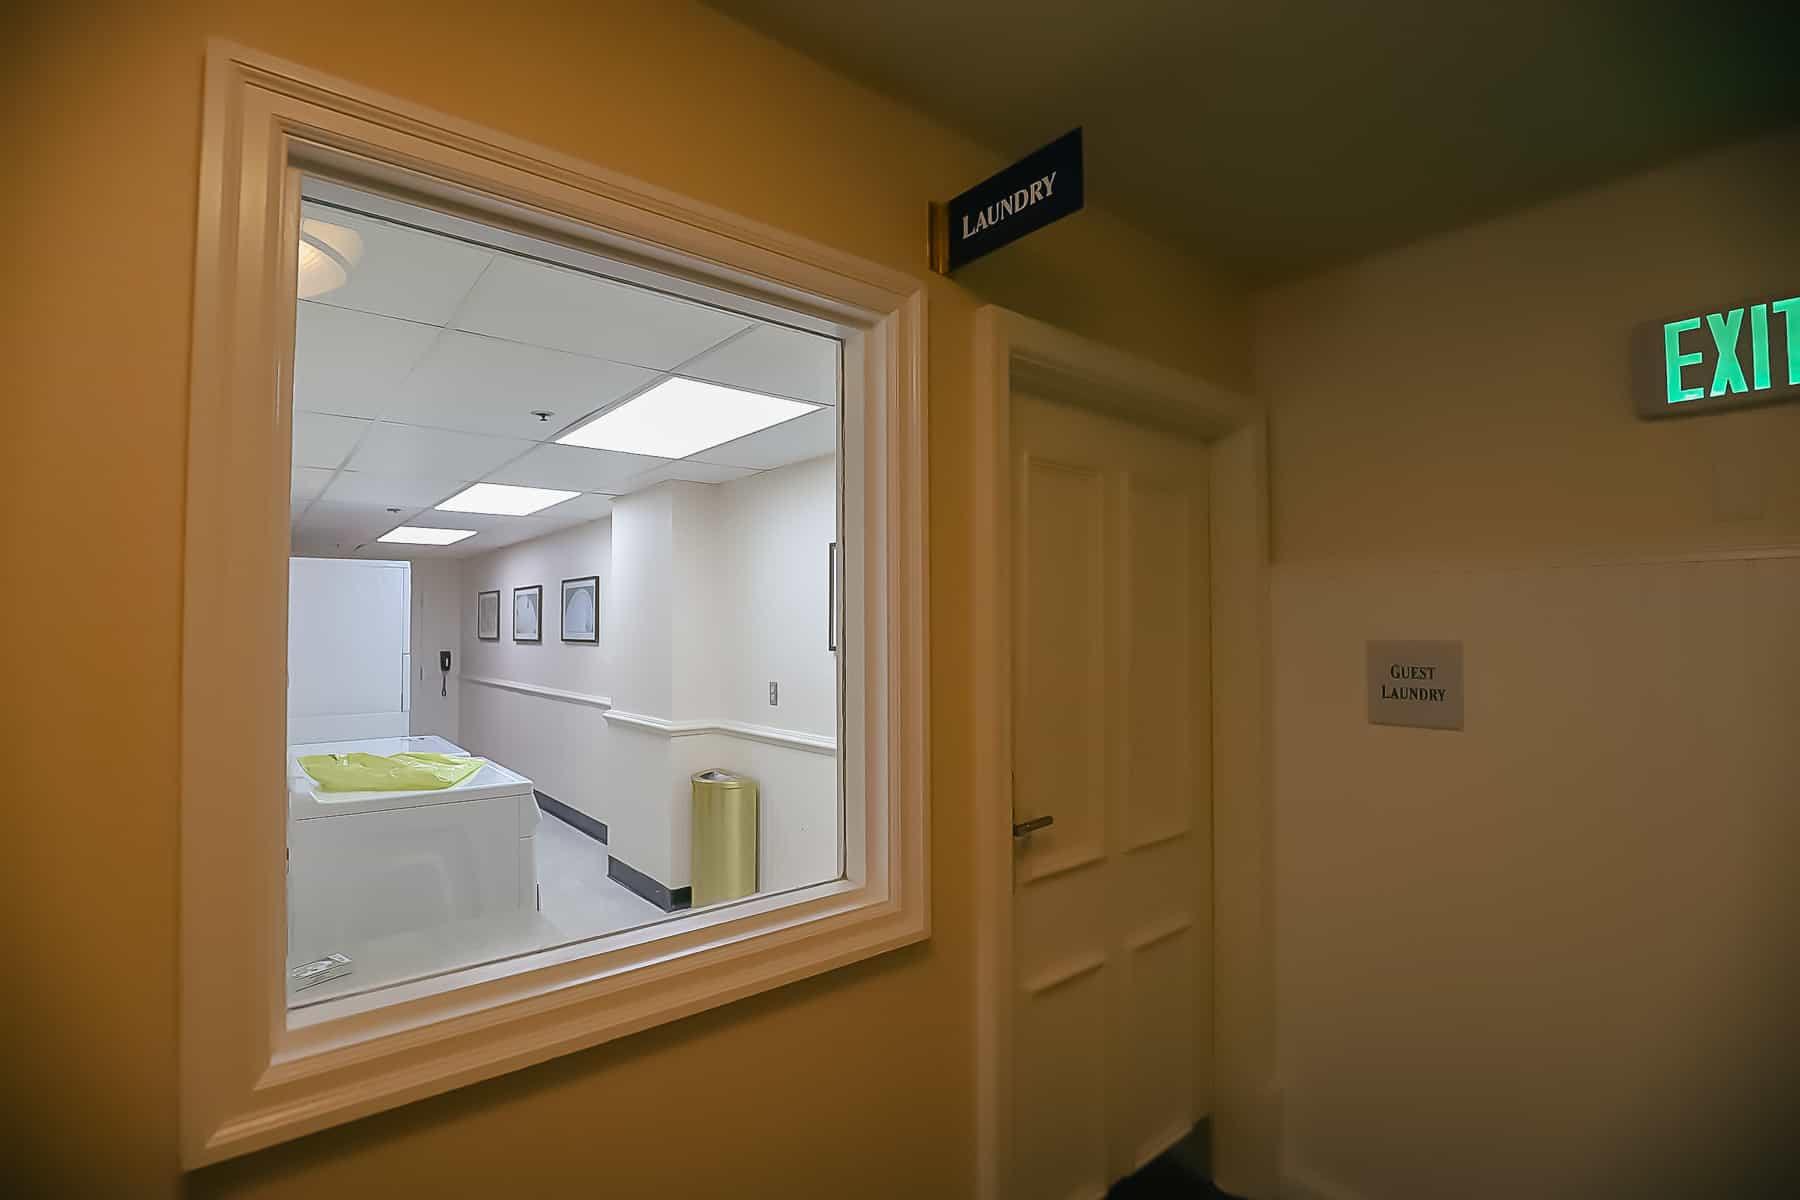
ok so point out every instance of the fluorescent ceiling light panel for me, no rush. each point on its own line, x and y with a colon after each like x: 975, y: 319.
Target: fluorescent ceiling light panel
x: 679, y: 417
x: 504, y: 499
x: 419, y: 535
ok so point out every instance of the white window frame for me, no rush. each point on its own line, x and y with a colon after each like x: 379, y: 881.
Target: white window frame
x: 249, y: 1078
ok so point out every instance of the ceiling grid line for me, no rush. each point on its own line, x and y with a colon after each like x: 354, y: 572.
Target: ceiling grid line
x: 409, y: 402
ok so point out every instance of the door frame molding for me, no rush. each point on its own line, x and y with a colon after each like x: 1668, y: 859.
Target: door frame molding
x: 1013, y: 351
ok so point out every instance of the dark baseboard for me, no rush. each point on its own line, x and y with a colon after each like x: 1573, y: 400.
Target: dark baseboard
x: 635, y: 881
x: 572, y: 817
x: 622, y: 873
x: 1184, y: 1170
x: 1194, y: 1152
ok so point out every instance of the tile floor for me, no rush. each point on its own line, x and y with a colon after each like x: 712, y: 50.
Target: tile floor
x: 574, y: 890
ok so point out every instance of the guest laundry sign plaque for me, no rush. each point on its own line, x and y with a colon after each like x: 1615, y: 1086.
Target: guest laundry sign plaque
x: 1416, y: 683
x: 1042, y: 187
x: 1697, y: 362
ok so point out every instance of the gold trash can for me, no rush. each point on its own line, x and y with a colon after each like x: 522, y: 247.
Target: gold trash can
x: 724, y: 837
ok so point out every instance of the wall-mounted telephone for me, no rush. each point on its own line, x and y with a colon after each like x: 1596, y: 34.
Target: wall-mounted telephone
x: 444, y: 670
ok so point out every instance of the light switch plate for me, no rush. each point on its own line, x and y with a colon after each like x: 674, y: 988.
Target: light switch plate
x: 774, y: 693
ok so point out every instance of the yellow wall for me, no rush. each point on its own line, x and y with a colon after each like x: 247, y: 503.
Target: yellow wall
x: 104, y: 106
x: 1554, y: 954
x: 1467, y: 396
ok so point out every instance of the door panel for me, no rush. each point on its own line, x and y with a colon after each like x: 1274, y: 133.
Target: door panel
x: 1061, y: 927
x: 347, y: 636
x: 1159, y: 983
x: 1069, y: 1161
x: 1158, y: 706
x: 1155, y: 885
x: 1112, y: 904
x: 348, y: 649
x: 1062, y: 570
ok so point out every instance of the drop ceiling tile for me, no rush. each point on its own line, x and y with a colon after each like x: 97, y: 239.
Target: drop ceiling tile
x: 405, y: 553
x: 543, y: 305
x: 689, y: 470
x: 577, y: 511
x: 303, y: 543
x: 309, y: 482
x: 491, y: 531
x: 411, y: 450
x: 811, y: 436
x: 489, y: 385
x: 382, y: 491
x: 324, y: 441
x: 508, y: 535
x: 344, y: 524
x: 352, y: 363
x: 775, y: 361
x: 431, y: 518
x: 575, y: 467
x: 403, y: 272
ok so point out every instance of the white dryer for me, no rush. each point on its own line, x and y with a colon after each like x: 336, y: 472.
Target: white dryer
x: 367, y: 865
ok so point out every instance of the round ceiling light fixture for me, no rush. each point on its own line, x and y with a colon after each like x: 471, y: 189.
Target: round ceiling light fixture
x: 327, y: 253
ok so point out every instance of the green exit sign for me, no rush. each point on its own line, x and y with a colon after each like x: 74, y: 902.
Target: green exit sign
x: 1706, y: 361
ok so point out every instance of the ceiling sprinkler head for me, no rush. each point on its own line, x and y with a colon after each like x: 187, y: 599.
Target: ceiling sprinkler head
x: 542, y: 414
x: 394, y: 511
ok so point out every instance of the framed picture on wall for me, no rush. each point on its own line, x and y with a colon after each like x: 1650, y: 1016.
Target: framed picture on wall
x: 487, y: 616
x: 581, y: 610
x: 528, y: 613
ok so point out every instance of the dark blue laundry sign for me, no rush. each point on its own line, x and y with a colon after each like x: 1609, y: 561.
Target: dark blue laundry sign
x: 1042, y: 187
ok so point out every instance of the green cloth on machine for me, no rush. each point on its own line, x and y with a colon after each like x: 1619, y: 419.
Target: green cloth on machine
x: 416, y: 771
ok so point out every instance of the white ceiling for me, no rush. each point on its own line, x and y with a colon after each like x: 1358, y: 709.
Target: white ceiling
x: 424, y: 372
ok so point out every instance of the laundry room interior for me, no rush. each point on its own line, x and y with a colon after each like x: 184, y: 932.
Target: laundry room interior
x: 563, y: 637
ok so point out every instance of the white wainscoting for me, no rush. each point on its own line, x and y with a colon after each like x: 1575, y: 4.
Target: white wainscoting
x: 1588, y: 875
x: 564, y: 742
x: 796, y: 774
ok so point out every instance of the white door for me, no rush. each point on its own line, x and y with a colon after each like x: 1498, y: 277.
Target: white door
x: 348, y: 649
x: 1112, y: 948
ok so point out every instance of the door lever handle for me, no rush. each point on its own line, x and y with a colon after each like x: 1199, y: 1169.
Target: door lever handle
x: 1027, y: 828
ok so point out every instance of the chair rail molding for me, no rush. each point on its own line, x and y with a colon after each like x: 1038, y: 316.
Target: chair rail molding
x: 538, y: 689
x: 794, y: 739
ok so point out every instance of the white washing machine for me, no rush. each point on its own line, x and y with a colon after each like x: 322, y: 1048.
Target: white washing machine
x: 366, y: 865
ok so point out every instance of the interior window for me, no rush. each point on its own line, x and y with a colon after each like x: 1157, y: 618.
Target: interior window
x: 562, y: 630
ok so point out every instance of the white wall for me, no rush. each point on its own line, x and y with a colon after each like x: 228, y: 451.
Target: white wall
x: 561, y: 746
x: 704, y: 587
x: 708, y: 593
x: 348, y: 648
x: 776, y: 528
x: 637, y: 615
x: 546, y: 561
x: 646, y: 583
x: 1549, y: 954
x: 436, y: 625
